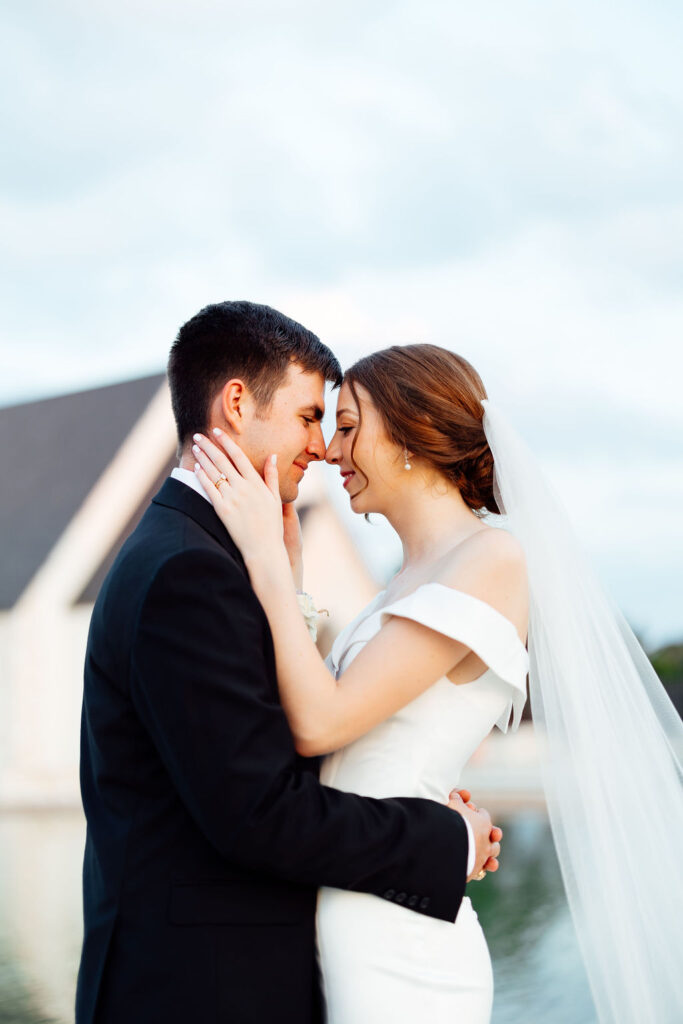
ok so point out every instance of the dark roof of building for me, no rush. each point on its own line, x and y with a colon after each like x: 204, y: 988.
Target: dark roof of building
x: 52, y: 452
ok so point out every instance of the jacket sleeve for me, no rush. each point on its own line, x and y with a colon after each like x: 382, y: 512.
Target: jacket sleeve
x: 201, y: 683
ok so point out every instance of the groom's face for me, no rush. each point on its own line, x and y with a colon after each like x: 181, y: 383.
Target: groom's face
x: 290, y: 427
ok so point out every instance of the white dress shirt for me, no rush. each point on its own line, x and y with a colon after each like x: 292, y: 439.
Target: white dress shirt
x: 186, y: 476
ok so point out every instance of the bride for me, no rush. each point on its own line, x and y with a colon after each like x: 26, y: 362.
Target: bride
x: 414, y: 684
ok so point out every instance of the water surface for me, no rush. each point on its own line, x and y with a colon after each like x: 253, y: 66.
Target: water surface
x: 522, y: 909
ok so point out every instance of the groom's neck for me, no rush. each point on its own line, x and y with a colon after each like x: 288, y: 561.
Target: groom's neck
x: 187, y: 459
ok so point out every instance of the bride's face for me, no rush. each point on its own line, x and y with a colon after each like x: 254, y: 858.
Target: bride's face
x: 373, y: 477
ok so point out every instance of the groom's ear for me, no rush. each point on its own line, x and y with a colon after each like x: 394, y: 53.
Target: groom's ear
x: 232, y: 404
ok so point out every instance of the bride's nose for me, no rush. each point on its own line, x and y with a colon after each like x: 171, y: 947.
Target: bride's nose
x: 333, y: 453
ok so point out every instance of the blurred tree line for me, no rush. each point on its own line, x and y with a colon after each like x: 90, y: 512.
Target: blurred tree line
x: 668, y: 664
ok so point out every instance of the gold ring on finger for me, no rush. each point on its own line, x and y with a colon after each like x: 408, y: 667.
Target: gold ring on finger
x: 478, y: 878
x: 221, y: 479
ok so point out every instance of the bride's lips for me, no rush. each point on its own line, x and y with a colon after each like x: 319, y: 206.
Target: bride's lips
x: 347, y: 476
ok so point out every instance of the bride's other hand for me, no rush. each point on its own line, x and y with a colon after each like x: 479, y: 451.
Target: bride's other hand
x: 293, y: 542
x: 248, y: 505
x: 487, y: 837
x: 496, y: 832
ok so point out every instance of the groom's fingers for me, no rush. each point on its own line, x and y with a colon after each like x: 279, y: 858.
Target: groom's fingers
x: 496, y: 834
x: 491, y: 864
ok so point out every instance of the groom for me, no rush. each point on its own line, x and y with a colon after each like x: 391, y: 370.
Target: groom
x: 207, y: 836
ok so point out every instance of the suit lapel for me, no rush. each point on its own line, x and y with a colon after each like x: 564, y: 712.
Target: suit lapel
x: 177, y: 495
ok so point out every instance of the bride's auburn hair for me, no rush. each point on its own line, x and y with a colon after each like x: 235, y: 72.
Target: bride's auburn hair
x: 429, y: 400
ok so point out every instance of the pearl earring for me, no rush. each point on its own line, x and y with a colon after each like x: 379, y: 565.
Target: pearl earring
x: 405, y: 459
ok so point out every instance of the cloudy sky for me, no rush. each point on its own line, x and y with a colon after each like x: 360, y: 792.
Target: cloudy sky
x: 503, y: 179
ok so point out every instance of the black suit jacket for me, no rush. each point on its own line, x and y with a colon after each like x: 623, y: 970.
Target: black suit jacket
x: 207, y: 836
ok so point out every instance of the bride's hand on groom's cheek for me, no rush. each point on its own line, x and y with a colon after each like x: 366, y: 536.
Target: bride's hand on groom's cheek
x: 248, y: 504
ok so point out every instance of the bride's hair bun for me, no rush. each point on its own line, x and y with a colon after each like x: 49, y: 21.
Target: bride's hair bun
x: 476, y: 482
x: 430, y: 401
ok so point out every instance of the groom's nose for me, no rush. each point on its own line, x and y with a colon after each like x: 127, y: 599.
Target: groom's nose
x: 316, y: 445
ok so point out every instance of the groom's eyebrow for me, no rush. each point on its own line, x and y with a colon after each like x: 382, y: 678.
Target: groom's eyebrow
x: 315, y: 411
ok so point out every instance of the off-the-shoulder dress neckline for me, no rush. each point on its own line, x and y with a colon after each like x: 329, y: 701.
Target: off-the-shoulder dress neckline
x: 372, y: 610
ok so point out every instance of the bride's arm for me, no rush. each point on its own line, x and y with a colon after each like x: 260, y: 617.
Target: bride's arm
x: 397, y: 665
x: 402, y: 661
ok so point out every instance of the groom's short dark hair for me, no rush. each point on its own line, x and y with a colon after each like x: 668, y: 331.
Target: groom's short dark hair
x: 238, y: 339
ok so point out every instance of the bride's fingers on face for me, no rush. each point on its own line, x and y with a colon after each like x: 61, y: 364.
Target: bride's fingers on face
x: 213, y: 473
x: 235, y: 452
x: 213, y: 492
x: 219, y: 459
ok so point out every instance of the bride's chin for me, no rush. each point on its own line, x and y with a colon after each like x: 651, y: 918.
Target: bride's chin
x: 359, y: 504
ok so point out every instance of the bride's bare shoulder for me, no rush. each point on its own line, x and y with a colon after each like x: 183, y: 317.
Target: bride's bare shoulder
x: 489, y: 547
x: 490, y: 565
x: 492, y: 542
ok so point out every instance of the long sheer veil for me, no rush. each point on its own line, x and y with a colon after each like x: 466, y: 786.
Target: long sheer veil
x: 611, y: 744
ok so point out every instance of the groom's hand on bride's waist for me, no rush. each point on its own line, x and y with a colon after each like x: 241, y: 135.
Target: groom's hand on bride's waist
x: 484, y: 836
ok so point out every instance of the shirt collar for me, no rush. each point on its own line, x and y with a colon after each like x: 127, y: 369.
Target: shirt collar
x: 186, y: 476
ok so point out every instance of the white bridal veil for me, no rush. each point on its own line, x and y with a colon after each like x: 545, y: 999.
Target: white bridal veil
x: 611, y: 745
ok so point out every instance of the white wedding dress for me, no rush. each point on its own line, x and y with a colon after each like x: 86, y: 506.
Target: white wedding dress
x: 380, y: 961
